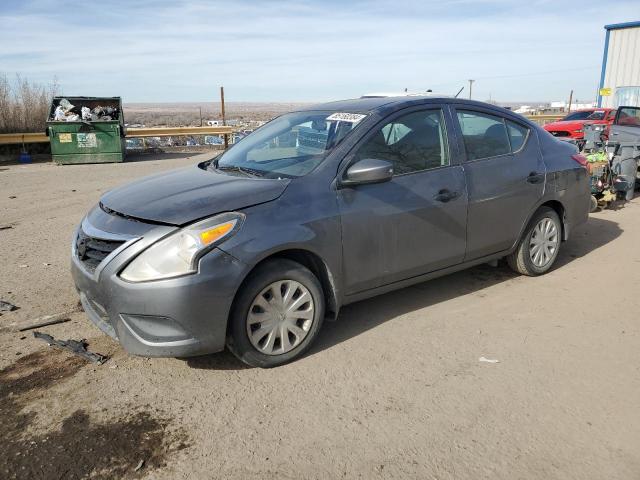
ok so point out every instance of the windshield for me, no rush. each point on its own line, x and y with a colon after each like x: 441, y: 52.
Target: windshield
x: 597, y: 115
x: 578, y: 115
x: 289, y: 146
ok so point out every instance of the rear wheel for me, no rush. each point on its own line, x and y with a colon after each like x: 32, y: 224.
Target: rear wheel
x: 540, y: 244
x: 276, y: 315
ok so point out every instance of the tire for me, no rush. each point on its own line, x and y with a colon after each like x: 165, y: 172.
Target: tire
x: 279, y: 334
x: 593, y: 207
x: 522, y: 259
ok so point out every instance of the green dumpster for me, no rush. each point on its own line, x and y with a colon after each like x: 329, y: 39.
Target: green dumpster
x: 86, y: 130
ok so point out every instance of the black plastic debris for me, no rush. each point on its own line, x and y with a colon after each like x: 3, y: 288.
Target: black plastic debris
x: 7, y: 307
x: 78, y: 347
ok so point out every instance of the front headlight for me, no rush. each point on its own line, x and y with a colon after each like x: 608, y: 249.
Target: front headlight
x: 178, y: 254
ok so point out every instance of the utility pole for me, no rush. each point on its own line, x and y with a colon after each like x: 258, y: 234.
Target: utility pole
x: 570, y: 100
x: 200, y: 108
x: 470, y: 87
x: 224, y: 120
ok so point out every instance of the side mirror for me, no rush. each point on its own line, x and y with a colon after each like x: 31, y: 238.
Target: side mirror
x: 368, y: 170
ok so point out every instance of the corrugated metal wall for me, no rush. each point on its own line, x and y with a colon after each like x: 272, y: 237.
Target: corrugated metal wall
x: 623, y: 62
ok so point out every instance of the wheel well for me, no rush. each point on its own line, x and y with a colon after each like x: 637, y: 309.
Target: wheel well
x: 317, y: 266
x: 559, y: 209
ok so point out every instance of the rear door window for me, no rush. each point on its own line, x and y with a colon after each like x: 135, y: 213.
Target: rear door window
x: 484, y: 135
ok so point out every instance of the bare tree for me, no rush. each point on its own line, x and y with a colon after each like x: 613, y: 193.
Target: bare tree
x: 24, y: 105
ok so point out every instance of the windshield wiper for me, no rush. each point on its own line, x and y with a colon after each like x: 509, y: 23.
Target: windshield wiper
x: 233, y: 168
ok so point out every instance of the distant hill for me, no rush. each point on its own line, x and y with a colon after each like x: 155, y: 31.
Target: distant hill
x: 188, y: 113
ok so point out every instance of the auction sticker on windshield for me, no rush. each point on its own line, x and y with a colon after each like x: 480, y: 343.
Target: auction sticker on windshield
x: 345, y: 117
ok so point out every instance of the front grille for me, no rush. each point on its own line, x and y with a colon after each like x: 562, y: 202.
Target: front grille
x: 91, y: 251
x: 559, y: 133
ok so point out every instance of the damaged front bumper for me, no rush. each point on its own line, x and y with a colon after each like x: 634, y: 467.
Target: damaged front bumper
x: 178, y: 317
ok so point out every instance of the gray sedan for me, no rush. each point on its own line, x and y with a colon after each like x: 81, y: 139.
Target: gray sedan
x: 317, y: 209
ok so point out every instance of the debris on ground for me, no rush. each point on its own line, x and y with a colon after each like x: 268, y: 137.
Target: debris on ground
x: 139, y: 466
x: 46, y: 321
x: 74, y: 346
x: 7, y: 307
x: 488, y: 360
x: 6, y: 227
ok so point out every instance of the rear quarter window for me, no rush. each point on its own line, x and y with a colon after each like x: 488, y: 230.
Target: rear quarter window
x: 517, y: 135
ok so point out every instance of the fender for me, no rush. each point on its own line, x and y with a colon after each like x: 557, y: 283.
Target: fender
x: 543, y: 201
x: 300, y: 243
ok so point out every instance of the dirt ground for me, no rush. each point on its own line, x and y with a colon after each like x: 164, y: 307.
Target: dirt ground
x: 393, y: 389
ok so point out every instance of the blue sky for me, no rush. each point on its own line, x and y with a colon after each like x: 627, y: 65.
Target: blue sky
x: 296, y: 50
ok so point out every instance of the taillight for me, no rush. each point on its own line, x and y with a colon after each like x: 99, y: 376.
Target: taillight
x: 581, y: 159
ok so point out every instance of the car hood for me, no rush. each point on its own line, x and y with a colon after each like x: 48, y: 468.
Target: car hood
x: 567, y: 125
x: 182, y: 196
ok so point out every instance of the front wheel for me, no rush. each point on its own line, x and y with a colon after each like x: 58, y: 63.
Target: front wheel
x: 276, y: 315
x: 540, y: 244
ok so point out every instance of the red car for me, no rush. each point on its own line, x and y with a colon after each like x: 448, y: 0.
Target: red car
x: 572, y: 125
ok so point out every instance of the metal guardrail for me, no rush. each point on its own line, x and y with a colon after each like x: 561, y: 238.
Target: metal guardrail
x: 11, y: 138
x: 17, y: 138
x: 176, y: 131
x: 542, y: 119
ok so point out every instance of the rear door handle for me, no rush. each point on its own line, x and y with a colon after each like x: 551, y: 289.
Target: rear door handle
x: 445, y: 195
x: 535, y: 177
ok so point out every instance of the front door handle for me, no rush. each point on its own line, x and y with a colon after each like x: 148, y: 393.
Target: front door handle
x: 535, y: 177
x: 445, y: 195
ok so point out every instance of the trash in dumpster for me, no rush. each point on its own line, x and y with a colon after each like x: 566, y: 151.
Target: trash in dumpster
x: 65, y: 111
x: 74, y: 346
x: 66, y: 105
x: 58, y: 114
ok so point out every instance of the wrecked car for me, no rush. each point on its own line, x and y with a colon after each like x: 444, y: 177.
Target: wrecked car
x: 319, y: 208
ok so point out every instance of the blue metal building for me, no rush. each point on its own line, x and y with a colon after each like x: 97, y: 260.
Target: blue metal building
x: 620, y: 77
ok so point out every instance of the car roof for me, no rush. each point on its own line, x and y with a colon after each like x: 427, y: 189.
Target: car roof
x: 371, y: 103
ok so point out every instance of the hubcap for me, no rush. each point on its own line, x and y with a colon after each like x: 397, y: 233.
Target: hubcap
x: 544, y: 242
x: 280, y: 317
